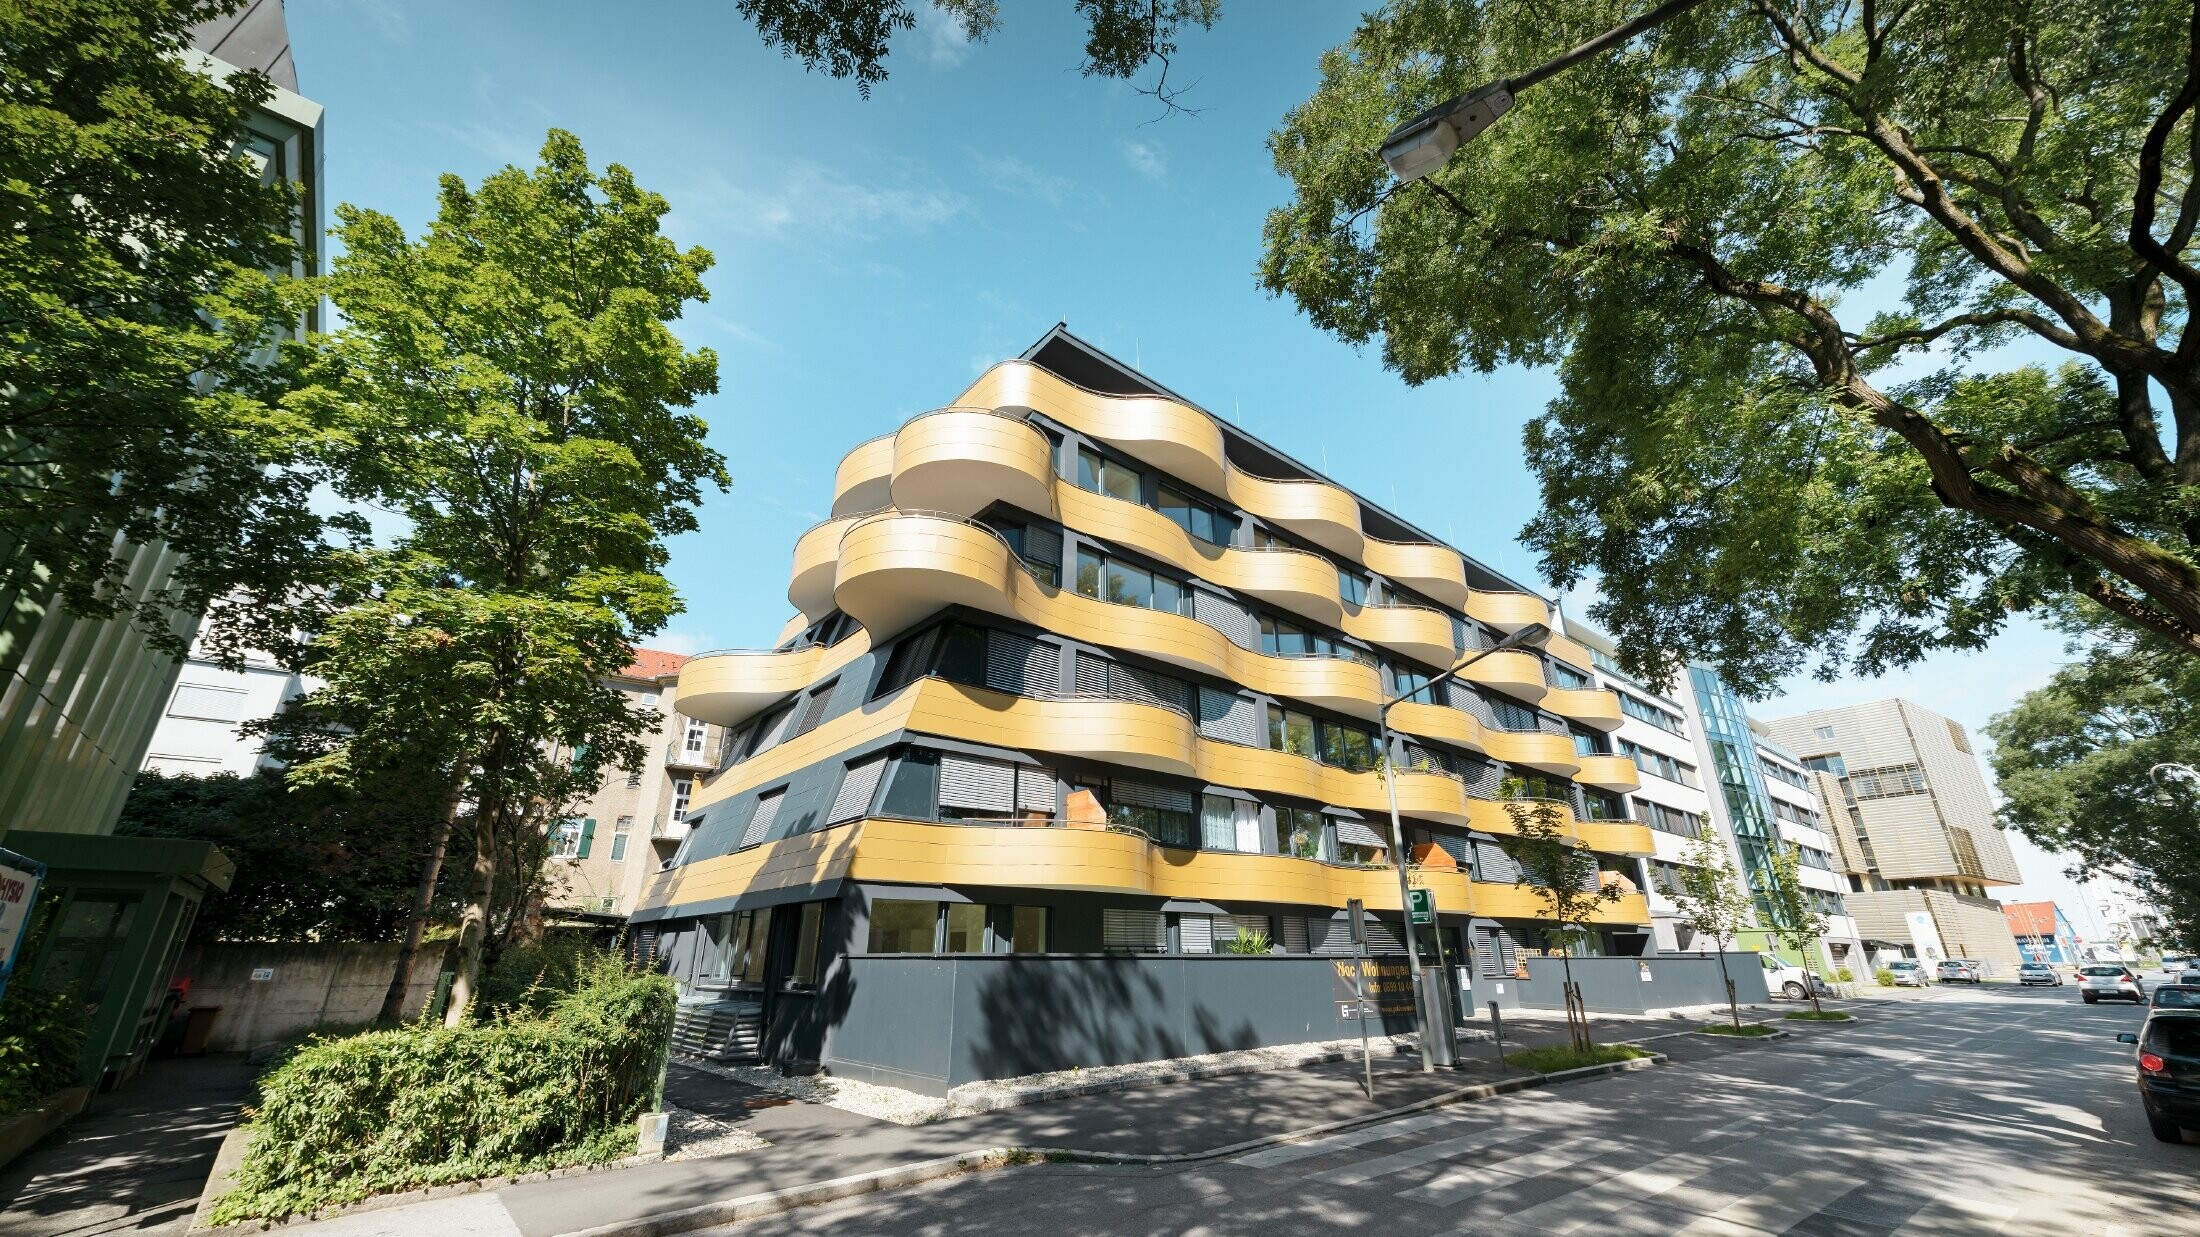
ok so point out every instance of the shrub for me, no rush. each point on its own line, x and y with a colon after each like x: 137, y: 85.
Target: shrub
x: 1818, y: 1015
x: 1884, y: 976
x: 1560, y: 1057
x: 418, y: 1105
x: 536, y: 974
x: 1843, y: 975
x: 41, y: 1046
x: 1253, y: 941
x: 1748, y: 1030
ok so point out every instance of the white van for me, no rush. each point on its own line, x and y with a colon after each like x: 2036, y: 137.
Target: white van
x: 1790, y: 981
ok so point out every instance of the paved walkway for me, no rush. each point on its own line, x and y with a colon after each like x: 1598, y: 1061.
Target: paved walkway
x: 134, y: 1161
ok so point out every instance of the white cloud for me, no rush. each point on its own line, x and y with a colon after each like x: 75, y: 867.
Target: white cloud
x: 684, y: 642
x: 946, y: 41
x: 1010, y: 174
x: 1146, y: 158
x: 809, y: 198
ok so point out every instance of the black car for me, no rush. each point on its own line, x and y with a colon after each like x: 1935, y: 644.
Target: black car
x: 2169, y: 1061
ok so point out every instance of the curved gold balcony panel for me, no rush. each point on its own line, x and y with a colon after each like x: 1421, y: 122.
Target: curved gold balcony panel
x: 1570, y: 651
x: 1316, y: 510
x: 1434, y: 570
x: 1424, y: 635
x: 1588, y: 705
x: 1522, y: 902
x: 726, y: 689
x: 1511, y: 671
x: 1304, y: 584
x: 864, y: 480
x: 1435, y: 721
x: 896, y: 568
x: 1616, y: 837
x: 1547, y: 753
x: 1120, y: 732
x: 816, y: 563
x: 1176, y: 439
x: 1617, y: 774
x: 1508, y: 612
x: 1493, y: 816
x: 960, y: 460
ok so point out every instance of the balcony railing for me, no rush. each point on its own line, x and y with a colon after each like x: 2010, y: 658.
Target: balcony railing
x: 679, y: 754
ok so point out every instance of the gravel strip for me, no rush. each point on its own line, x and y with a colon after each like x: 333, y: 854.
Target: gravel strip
x: 692, y: 1136
x: 863, y: 1098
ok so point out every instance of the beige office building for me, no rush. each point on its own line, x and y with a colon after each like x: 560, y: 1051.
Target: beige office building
x: 1912, y: 820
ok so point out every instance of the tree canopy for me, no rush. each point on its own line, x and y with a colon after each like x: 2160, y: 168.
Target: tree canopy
x: 1755, y: 474
x: 140, y: 292
x: 2075, y: 762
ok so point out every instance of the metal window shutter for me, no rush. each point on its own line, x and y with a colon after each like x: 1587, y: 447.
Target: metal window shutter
x: 981, y: 785
x: 1035, y: 790
x: 1383, y: 937
x: 1195, y: 934
x: 1355, y: 833
x: 1140, y: 794
x: 1508, y: 951
x: 1295, y: 935
x: 1043, y: 545
x: 1460, y: 849
x: 1494, y: 865
x: 1141, y: 931
x: 1229, y: 717
x: 856, y: 789
x: 207, y: 703
x: 1470, y: 702
x: 761, y: 818
x: 1146, y: 687
x: 1328, y: 936
x: 1020, y: 665
x: 1234, y: 621
x: 1485, y: 953
x: 1485, y: 779
x: 1092, y: 675
x: 814, y: 710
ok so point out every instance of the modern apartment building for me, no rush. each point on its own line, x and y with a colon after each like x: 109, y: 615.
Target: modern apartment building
x: 1915, y: 824
x: 79, y: 699
x: 1080, y: 701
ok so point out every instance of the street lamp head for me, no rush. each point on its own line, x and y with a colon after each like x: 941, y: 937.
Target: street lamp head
x: 1421, y: 144
x: 1533, y: 633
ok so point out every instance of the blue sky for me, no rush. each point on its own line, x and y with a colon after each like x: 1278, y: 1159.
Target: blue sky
x: 874, y: 257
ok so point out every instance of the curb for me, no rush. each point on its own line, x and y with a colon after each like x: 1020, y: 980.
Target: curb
x: 1779, y: 1033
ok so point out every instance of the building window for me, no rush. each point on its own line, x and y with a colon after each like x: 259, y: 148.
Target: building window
x: 1568, y: 677
x: 1229, y: 824
x: 1112, y: 580
x: 1283, y: 638
x: 1197, y: 518
x: 633, y: 778
x: 1347, y: 747
x: 692, y: 740
x: 1102, y: 475
x: 1824, y: 732
x: 1159, y: 812
x: 625, y: 825
x: 1644, y: 711
x: 573, y: 837
x: 618, y: 848
x: 736, y: 947
x: 1027, y: 929
x: 1301, y: 832
x: 902, y: 927
x: 807, y: 933
x: 682, y: 787
x: 1133, y: 931
x: 1352, y: 586
x: 965, y: 928
x: 1352, y: 841
x: 1291, y: 731
x: 208, y: 703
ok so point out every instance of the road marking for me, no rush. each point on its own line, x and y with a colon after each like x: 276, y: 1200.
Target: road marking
x: 1414, y: 1157
x: 1591, y: 1203
x: 1957, y: 1215
x: 1462, y: 1184
x: 1777, y: 1207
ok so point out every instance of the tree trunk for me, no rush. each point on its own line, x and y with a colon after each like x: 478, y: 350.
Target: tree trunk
x: 1810, y: 981
x: 416, y: 926
x: 473, y: 926
x: 1733, y: 1007
x: 1577, y: 1018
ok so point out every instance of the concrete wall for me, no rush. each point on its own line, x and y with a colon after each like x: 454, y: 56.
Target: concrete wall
x: 1618, y: 986
x: 311, y: 986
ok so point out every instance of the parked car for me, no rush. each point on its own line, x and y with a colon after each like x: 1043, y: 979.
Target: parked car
x: 2174, y: 965
x: 2030, y: 973
x: 1792, y: 982
x: 2189, y: 975
x: 2109, y: 981
x: 2169, y: 1064
x: 2177, y: 996
x: 1909, y: 973
x: 1959, y: 971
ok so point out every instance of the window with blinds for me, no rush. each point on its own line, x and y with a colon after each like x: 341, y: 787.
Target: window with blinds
x: 909, y: 661
x: 1195, y: 934
x: 761, y: 818
x: 857, y: 788
x: 1021, y: 666
x: 815, y: 708
x: 1234, y: 621
x: 1492, y: 864
x: 1134, y: 931
x: 1098, y: 677
x: 1160, y: 812
x: 207, y: 703
x: 1229, y: 717
x: 1496, y: 953
x: 1296, y: 937
x: 972, y: 788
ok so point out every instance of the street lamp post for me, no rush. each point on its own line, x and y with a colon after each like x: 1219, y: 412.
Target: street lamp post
x: 1420, y: 144
x: 1526, y: 635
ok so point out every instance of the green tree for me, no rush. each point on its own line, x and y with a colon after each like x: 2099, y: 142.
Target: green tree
x: 2075, y: 759
x: 1713, y: 901
x: 1792, y: 908
x: 1566, y: 878
x: 1752, y: 472
x: 851, y: 38
x: 509, y: 383
x: 138, y: 401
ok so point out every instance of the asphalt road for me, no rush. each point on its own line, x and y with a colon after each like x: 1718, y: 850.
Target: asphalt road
x: 1991, y: 1110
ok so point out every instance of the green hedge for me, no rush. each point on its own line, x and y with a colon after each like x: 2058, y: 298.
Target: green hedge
x: 41, y: 1046
x: 343, y: 1119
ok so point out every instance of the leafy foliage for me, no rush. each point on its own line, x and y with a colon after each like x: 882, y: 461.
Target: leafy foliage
x: 1555, y: 1058
x: 342, y: 1119
x: 2075, y: 760
x: 313, y: 863
x: 41, y: 1046
x: 1753, y: 477
x: 137, y: 401
x: 1793, y: 909
x: 1566, y: 878
x: 1712, y: 900
x: 1248, y: 941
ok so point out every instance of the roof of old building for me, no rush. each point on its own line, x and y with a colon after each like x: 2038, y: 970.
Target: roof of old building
x: 654, y: 664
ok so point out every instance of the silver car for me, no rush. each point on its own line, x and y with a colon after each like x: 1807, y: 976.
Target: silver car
x: 2029, y: 973
x: 2109, y: 981
x: 1910, y: 973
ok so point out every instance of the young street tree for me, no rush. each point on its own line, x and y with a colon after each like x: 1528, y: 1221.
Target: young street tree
x: 1713, y: 902
x: 510, y: 385
x: 1792, y: 907
x: 1675, y: 226
x: 2076, y: 759
x: 137, y: 402
x: 1566, y: 879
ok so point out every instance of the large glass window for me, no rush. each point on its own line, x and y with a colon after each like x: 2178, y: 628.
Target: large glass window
x: 1291, y: 731
x: 1195, y: 517
x: 1027, y: 930
x: 1352, y: 586
x: 965, y: 928
x: 807, y: 933
x: 903, y: 927
x: 1102, y: 475
x: 1284, y: 638
x: 1302, y: 832
x: 1347, y: 747
x: 1115, y: 581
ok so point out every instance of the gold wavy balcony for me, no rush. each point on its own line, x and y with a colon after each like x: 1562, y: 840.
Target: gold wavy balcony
x: 1304, y: 584
x: 1592, y: 707
x: 1440, y: 722
x: 1422, y: 634
x: 726, y: 689
x: 960, y: 460
x: 1433, y: 570
x: 1172, y: 437
x: 1615, y: 837
x: 1617, y: 774
x: 1141, y: 736
x: 864, y: 480
x: 816, y: 562
x: 1547, y: 753
x: 1516, y: 673
x: 1508, y: 612
x: 895, y: 569
x: 1090, y: 860
x: 1324, y: 514
x: 1570, y: 651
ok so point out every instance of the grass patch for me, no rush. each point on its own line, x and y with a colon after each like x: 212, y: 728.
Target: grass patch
x: 1748, y: 1030
x: 1552, y: 1060
x: 1820, y: 1015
